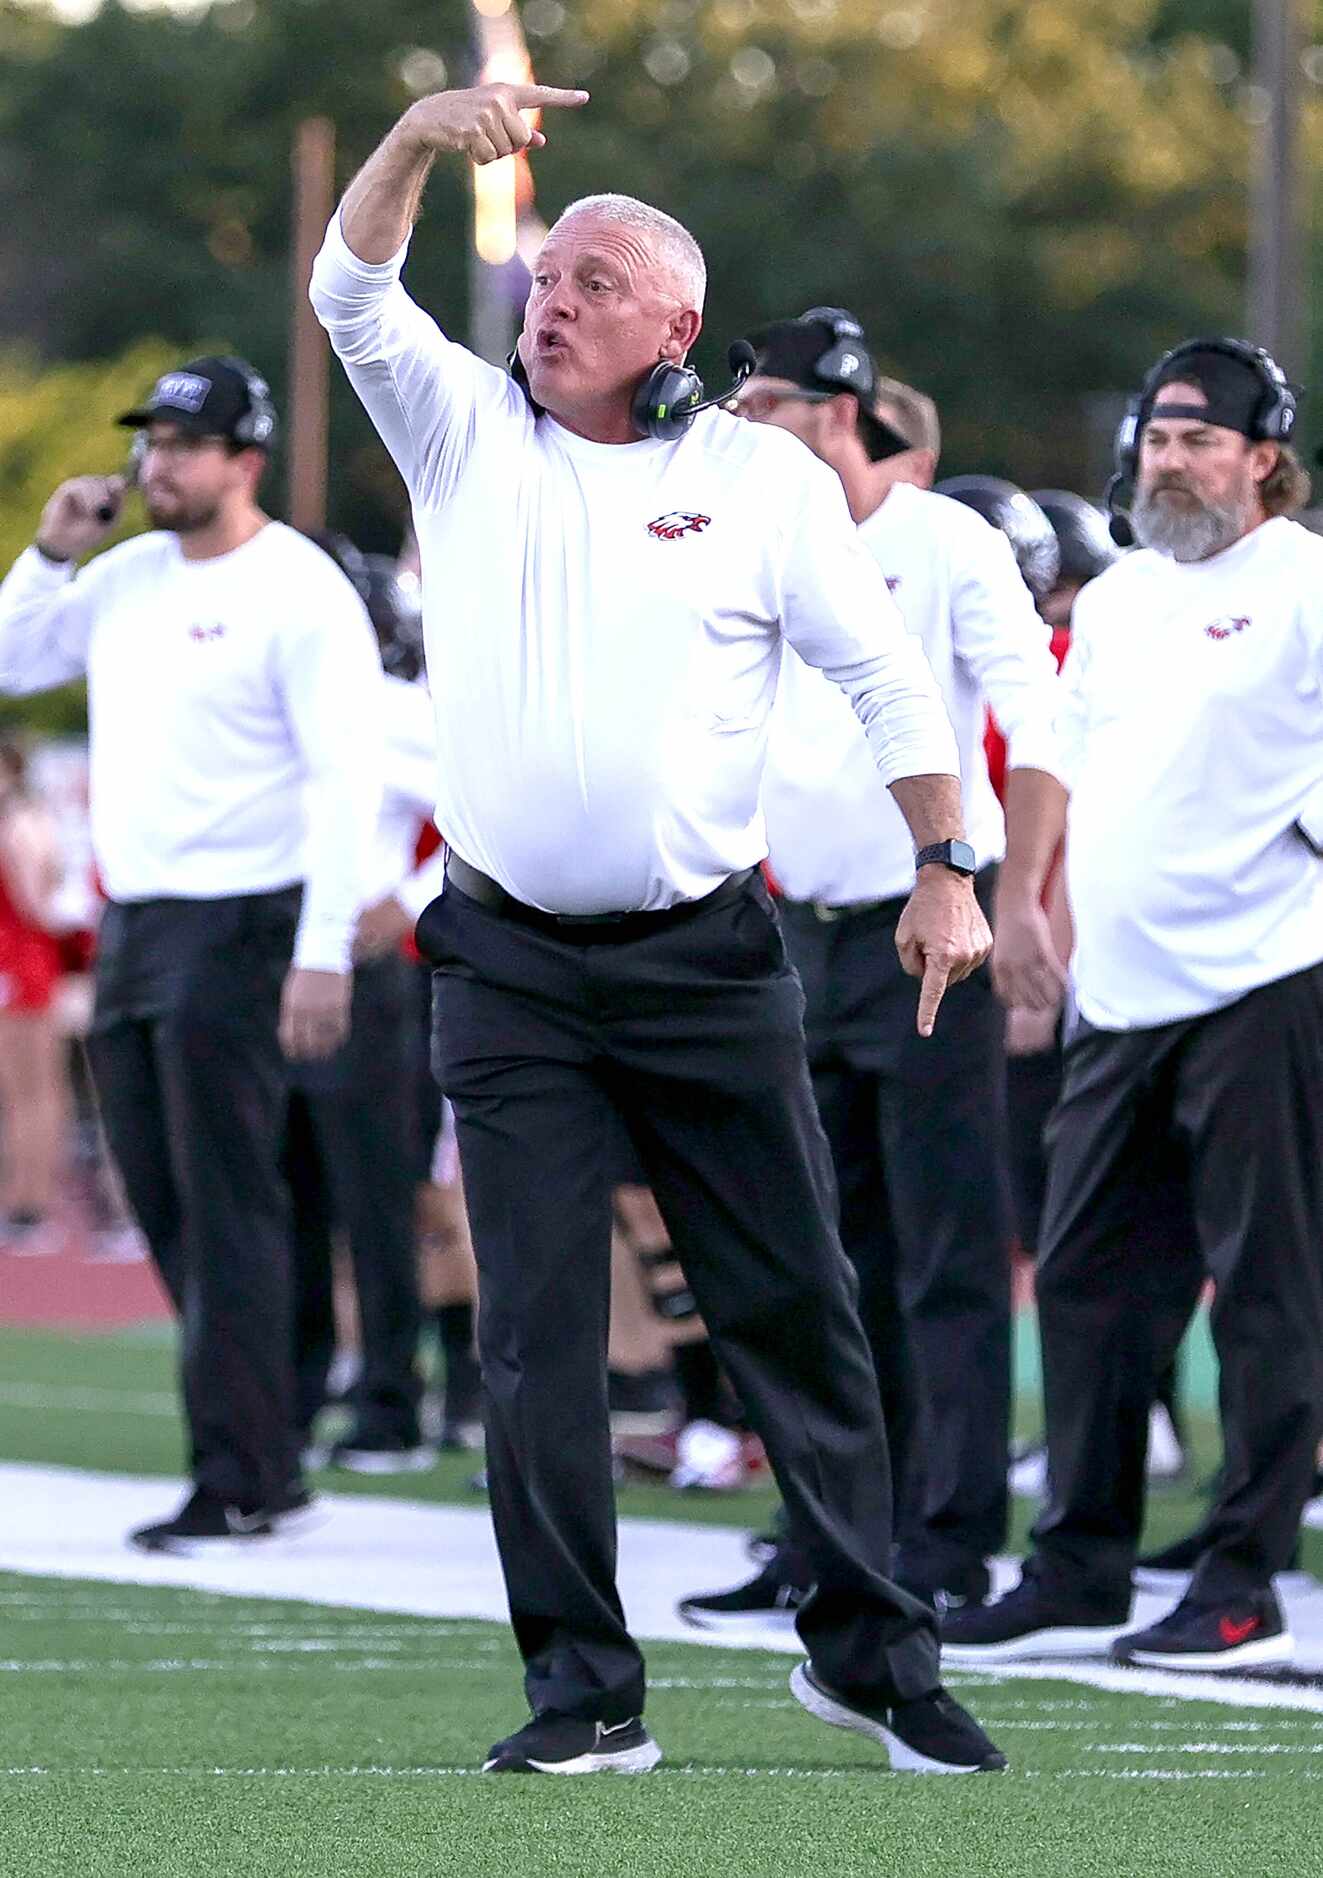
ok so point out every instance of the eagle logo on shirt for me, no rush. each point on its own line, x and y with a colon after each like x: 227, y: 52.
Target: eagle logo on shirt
x: 893, y: 583
x: 206, y: 630
x: 677, y: 522
x: 1223, y: 628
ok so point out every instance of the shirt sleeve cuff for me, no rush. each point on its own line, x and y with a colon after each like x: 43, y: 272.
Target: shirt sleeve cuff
x: 1035, y: 750
x: 326, y: 946
x: 40, y: 574
x: 338, y: 250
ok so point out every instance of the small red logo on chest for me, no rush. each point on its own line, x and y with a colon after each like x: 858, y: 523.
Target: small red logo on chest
x: 678, y: 522
x: 893, y: 583
x: 202, y: 635
x: 1223, y: 628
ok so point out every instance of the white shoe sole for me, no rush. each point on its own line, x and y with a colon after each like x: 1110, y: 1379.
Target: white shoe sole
x: 372, y: 1461
x: 740, y: 1623
x: 640, y: 1760
x: 1263, y: 1653
x: 903, y: 1758
x: 1082, y: 1640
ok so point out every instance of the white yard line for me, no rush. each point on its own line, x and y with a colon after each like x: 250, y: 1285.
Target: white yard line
x: 440, y: 1561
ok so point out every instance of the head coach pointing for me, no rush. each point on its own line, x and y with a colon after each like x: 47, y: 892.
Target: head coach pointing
x: 619, y: 569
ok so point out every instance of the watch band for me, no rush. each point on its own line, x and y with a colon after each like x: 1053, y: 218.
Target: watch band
x: 957, y: 855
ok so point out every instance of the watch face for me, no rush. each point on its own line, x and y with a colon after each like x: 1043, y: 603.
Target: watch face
x: 962, y: 856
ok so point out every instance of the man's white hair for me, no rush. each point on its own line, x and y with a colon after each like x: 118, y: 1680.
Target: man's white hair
x: 679, y: 255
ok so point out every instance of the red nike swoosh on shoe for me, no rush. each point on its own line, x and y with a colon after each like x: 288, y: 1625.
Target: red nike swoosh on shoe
x: 1233, y: 1633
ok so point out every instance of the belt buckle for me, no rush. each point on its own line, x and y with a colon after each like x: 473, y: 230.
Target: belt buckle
x: 588, y: 919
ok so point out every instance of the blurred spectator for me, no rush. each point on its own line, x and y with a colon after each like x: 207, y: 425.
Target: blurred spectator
x: 34, y: 1099
x: 352, y: 1126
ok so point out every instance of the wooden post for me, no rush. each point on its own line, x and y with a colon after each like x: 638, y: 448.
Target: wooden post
x: 314, y: 190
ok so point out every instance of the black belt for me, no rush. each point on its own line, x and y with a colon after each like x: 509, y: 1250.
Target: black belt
x: 822, y: 911
x: 587, y: 928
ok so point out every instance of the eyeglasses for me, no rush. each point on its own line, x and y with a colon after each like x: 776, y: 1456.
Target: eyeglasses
x: 759, y: 404
x: 185, y: 444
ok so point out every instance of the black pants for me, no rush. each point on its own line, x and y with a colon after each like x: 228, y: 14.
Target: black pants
x: 351, y: 1159
x: 917, y: 1134
x: 692, y: 1036
x: 191, y: 1080
x: 1234, y: 1101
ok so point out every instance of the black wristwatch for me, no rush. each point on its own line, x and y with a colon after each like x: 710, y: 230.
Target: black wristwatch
x: 957, y: 855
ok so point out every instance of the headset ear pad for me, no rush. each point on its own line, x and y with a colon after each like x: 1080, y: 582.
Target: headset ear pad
x: 664, y: 403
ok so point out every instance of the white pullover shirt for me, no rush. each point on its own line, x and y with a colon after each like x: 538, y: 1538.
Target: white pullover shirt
x: 609, y: 618
x: 235, y: 719
x: 834, y: 834
x: 1193, y: 733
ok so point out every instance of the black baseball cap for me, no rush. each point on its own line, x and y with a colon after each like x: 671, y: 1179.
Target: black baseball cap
x: 212, y: 397
x: 824, y: 350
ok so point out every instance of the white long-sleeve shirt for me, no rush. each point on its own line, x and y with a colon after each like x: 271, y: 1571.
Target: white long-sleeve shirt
x: 834, y: 833
x: 407, y: 801
x: 234, y: 709
x: 609, y: 618
x: 1193, y: 740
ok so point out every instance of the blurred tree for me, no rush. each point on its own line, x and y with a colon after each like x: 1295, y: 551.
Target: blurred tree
x: 1025, y: 200
x: 55, y: 423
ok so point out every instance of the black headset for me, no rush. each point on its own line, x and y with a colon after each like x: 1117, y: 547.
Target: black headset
x: 257, y: 426
x: 1273, y: 421
x: 670, y: 397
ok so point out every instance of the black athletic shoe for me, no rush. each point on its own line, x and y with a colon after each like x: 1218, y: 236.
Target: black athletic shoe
x: 768, y: 1598
x: 362, y: 1453
x: 1238, y: 1633
x: 558, y: 1744
x: 930, y: 1735
x: 1026, y: 1622
x: 204, y: 1519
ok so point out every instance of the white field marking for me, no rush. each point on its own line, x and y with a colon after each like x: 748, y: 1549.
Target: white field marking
x: 1204, y: 1747
x: 229, y: 1664
x: 440, y: 1561
x: 40, y: 1395
x: 686, y: 1770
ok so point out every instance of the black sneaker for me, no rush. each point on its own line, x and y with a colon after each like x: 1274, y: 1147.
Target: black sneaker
x: 1238, y: 1633
x: 377, y: 1454
x: 205, y: 1519
x: 1026, y: 1622
x: 768, y: 1598
x: 930, y: 1735
x: 558, y: 1744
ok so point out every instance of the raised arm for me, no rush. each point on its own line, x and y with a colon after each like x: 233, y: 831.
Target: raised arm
x: 484, y: 124
x: 45, y: 615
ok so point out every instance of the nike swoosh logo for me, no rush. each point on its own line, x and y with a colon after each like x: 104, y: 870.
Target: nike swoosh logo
x: 241, y: 1523
x: 619, y: 1727
x: 1232, y: 1632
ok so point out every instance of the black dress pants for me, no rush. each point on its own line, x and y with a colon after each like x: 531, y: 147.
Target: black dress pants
x: 692, y: 1037
x: 351, y: 1158
x: 191, y: 1081
x: 1237, y: 1098
x: 917, y: 1133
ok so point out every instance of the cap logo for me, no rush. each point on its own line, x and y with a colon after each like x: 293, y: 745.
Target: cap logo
x: 849, y: 364
x: 182, y: 391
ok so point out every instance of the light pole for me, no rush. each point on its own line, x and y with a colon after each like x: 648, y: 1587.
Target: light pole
x: 1274, y: 305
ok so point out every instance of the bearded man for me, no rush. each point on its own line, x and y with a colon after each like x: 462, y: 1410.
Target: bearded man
x: 1194, y: 751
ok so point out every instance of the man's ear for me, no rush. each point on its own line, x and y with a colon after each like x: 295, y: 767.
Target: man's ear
x: 1264, y: 458
x: 682, y: 330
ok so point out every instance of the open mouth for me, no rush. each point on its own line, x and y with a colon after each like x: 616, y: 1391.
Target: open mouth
x: 548, y: 345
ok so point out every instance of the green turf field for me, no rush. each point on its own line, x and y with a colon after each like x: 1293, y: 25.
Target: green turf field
x: 153, y: 1733
x: 163, y: 1734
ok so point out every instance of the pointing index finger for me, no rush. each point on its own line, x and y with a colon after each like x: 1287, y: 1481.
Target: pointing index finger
x: 931, y: 993
x: 536, y: 97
